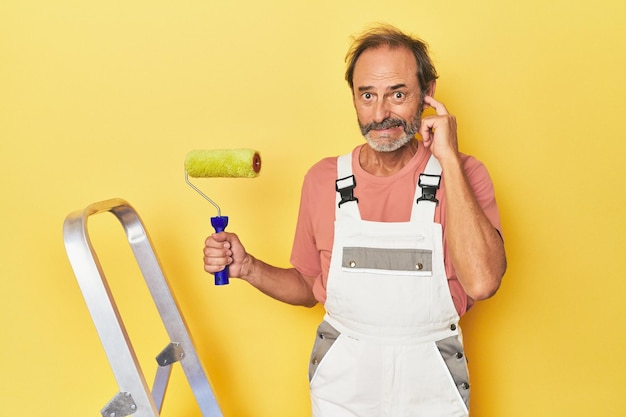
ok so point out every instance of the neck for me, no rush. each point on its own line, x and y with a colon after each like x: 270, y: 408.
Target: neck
x: 383, y: 164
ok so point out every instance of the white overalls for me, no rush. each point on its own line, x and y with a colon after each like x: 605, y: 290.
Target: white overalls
x: 389, y: 344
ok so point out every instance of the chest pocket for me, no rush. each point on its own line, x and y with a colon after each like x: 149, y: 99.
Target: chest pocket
x: 397, y: 261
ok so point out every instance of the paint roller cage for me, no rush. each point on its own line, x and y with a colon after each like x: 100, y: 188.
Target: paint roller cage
x: 221, y: 163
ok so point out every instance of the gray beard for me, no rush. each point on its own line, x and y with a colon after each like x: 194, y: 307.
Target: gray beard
x: 383, y: 145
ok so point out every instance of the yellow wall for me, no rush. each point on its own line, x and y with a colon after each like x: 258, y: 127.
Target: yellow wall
x: 104, y: 99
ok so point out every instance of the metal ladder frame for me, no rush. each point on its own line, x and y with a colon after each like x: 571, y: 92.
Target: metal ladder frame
x: 134, y: 396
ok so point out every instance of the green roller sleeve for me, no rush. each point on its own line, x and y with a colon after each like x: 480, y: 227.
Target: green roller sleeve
x: 223, y: 163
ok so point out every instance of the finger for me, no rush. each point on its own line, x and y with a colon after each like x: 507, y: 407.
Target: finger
x: 439, y: 107
x: 212, y: 269
x: 220, y: 236
x: 219, y: 249
x: 213, y: 262
x: 218, y: 240
x: 430, y: 122
x: 426, y: 130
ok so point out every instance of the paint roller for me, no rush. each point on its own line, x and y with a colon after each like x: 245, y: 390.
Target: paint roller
x: 221, y: 163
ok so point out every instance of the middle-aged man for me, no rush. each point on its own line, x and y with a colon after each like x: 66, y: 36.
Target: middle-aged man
x: 397, y: 239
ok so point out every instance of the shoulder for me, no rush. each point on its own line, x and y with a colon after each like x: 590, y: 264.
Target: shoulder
x: 477, y: 174
x: 323, y: 167
x: 319, y: 182
x: 483, y: 188
x: 470, y: 163
x: 324, y: 170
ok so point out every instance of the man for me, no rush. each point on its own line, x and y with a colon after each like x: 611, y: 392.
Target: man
x: 397, y: 239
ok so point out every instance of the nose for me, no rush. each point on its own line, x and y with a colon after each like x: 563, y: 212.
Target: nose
x: 381, y: 111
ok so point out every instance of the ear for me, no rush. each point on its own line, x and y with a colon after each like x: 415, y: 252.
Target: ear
x: 431, y: 88
x: 430, y: 91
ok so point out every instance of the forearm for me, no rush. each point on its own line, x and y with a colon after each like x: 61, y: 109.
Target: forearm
x: 284, y: 284
x: 475, y: 247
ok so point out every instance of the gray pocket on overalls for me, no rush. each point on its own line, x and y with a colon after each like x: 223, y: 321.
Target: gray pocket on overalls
x: 451, y: 350
x: 325, y: 337
x: 416, y: 261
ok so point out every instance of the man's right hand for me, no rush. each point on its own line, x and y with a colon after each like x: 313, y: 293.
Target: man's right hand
x: 284, y: 284
x: 224, y: 249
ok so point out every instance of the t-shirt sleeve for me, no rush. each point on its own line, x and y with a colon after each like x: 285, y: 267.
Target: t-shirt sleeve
x: 312, y: 245
x: 482, y: 185
x: 304, y: 253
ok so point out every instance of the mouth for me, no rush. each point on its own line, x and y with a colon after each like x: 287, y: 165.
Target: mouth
x: 386, y: 125
x: 387, y: 129
x: 385, y: 134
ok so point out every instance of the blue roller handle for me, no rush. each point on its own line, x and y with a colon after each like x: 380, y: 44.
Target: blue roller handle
x: 219, y: 223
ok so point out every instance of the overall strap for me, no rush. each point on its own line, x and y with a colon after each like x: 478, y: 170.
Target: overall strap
x: 347, y: 203
x: 426, y: 192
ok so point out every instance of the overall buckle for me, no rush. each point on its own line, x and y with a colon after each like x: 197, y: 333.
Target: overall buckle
x: 345, y: 187
x: 429, y: 185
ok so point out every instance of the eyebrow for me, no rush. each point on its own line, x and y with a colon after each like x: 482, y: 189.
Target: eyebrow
x: 392, y: 88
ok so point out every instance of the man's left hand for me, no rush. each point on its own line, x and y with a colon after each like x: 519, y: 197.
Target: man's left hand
x: 439, y: 131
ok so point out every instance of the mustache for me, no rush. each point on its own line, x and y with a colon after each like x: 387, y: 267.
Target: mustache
x: 385, y: 124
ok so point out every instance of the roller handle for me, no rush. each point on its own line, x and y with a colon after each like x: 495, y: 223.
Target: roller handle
x: 219, y: 223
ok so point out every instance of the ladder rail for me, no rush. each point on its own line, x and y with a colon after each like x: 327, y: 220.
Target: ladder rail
x: 107, y: 319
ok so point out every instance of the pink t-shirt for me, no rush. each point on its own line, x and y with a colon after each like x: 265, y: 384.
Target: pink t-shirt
x: 381, y: 199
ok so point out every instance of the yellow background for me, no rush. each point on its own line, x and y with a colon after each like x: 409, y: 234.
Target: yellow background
x: 103, y: 99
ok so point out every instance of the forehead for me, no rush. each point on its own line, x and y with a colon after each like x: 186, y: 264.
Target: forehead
x: 385, y: 65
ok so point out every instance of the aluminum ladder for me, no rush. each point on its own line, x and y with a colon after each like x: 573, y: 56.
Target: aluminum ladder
x: 134, y: 396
